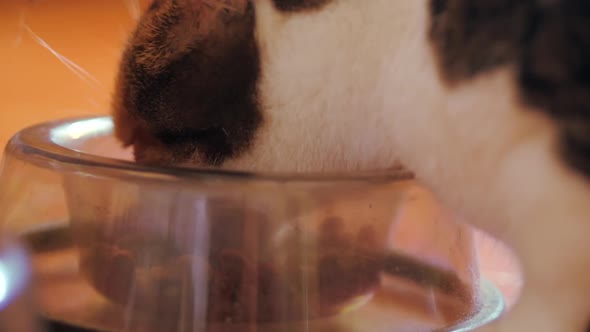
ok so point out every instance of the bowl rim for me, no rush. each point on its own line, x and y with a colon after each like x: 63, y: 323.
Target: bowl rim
x: 39, y: 143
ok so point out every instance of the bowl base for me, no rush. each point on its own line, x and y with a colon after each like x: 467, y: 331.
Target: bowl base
x: 70, y: 304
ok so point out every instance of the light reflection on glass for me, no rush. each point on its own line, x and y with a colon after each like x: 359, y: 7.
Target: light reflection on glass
x: 14, y: 274
x: 82, y: 128
x: 3, y: 283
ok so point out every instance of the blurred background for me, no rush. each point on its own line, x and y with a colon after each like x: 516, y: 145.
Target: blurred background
x: 59, y: 57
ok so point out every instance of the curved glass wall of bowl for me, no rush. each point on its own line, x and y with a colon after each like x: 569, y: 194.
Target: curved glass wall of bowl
x: 122, y: 247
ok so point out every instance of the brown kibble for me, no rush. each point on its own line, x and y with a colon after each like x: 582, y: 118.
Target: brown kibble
x: 114, y: 277
x: 123, y: 266
x: 277, y: 299
x: 232, y: 289
x: 346, y: 275
x: 239, y: 288
x: 332, y: 225
x: 367, y: 237
x: 332, y: 233
x: 231, y: 260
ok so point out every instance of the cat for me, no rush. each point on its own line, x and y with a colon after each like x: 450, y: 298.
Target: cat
x: 487, y: 102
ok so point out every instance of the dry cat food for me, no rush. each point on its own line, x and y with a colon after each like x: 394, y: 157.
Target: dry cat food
x: 238, y: 284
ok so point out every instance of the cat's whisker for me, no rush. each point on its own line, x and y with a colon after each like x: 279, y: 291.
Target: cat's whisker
x: 134, y: 9
x: 19, y: 36
x: 94, y: 103
x: 72, y: 66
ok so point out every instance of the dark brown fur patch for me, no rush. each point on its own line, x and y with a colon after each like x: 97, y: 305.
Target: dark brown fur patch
x: 471, y: 37
x: 187, y: 85
x: 548, y: 41
x: 299, y: 5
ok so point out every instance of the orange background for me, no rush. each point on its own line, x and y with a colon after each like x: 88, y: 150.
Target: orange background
x: 35, y: 86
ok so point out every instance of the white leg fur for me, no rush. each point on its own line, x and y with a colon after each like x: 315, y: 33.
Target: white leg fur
x: 367, y: 65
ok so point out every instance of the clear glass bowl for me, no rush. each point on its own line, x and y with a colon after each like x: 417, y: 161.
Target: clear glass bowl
x: 123, y: 247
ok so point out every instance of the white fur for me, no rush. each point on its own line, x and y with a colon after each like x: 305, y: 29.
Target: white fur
x: 360, y: 77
